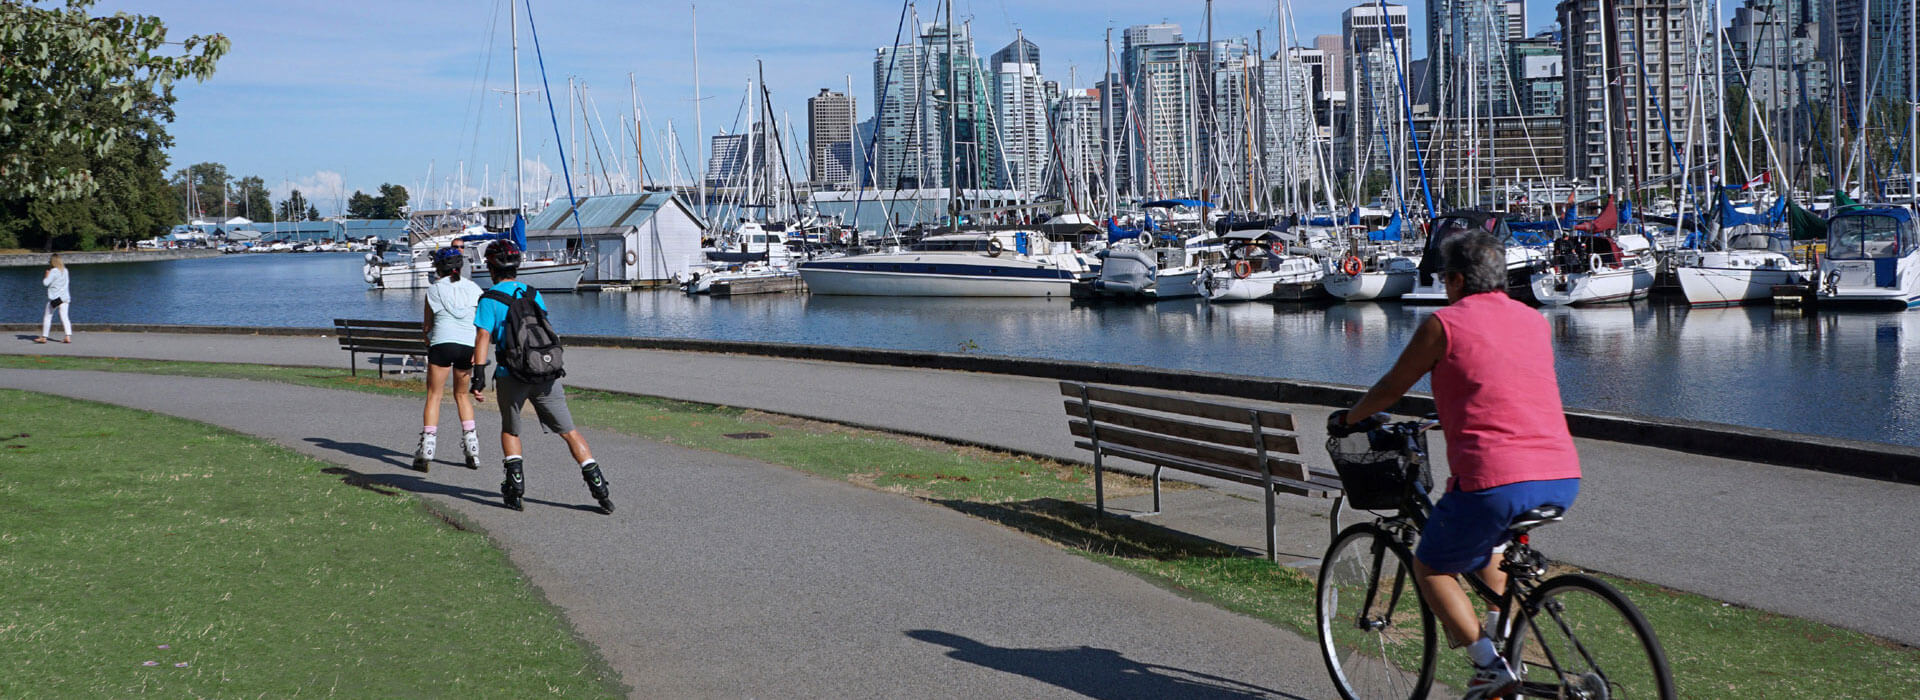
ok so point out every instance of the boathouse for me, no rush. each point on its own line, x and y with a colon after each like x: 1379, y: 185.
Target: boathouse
x: 643, y: 238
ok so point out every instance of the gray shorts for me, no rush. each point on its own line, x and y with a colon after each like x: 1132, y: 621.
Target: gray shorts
x: 549, y: 403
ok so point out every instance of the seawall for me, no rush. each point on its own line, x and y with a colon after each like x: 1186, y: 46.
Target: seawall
x: 107, y: 256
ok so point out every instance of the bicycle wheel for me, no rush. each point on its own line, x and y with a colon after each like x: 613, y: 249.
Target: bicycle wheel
x: 1376, y: 634
x: 1577, y: 637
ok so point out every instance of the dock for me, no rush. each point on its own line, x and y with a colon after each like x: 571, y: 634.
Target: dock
x: 765, y: 285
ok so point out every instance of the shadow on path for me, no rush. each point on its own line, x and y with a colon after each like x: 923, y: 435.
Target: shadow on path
x: 414, y: 482
x: 1103, y: 674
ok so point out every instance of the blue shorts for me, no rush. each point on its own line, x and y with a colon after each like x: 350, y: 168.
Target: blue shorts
x: 1467, y: 525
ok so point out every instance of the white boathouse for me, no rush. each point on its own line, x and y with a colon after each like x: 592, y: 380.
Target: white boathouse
x: 644, y: 238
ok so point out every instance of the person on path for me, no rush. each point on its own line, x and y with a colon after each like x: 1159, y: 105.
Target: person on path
x: 503, y: 311
x: 451, y: 303
x: 59, y: 297
x: 1508, y: 446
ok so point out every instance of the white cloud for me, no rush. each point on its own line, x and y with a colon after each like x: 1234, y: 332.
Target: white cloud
x: 325, y: 189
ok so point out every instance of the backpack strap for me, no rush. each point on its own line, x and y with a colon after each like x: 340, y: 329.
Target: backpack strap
x: 498, y: 296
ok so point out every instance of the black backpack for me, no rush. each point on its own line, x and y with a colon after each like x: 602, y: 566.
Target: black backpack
x: 529, y: 348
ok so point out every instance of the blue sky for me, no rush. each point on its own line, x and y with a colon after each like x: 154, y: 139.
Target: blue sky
x: 336, y: 96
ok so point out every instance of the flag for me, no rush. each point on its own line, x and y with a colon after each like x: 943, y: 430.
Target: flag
x: 1760, y: 180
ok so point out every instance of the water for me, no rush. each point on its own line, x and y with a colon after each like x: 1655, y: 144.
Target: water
x: 1847, y: 374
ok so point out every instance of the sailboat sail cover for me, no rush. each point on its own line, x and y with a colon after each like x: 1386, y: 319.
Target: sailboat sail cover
x: 1390, y: 233
x: 1608, y: 220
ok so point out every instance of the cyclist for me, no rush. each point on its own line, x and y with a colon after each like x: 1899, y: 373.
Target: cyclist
x: 1507, y: 442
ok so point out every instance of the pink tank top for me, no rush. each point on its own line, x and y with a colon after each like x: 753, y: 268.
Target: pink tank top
x: 1498, y: 398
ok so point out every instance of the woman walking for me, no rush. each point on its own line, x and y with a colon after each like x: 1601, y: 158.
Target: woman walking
x: 59, y: 297
x: 451, y: 301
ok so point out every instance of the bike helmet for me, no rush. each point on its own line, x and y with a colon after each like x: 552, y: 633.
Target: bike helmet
x: 503, y: 256
x: 447, y: 261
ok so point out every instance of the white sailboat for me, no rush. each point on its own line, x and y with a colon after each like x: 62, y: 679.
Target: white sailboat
x: 998, y: 264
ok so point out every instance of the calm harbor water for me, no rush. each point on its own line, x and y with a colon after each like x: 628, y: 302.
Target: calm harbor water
x: 1847, y: 374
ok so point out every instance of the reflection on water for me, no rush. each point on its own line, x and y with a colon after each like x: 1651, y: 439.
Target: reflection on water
x: 1848, y: 374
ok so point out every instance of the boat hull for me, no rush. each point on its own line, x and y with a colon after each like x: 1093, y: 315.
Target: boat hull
x: 849, y: 282
x: 1720, y: 286
x: 1369, y: 286
x: 1609, y: 286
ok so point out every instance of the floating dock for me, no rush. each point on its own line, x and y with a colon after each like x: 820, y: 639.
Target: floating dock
x: 764, y: 285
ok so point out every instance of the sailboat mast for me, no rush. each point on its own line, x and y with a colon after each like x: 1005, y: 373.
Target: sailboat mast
x: 1106, y: 127
x: 953, y: 131
x: 519, y: 176
x: 699, y: 132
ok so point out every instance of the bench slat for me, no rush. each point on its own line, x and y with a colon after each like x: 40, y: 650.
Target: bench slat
x: 1277, y: 420
x: 368, y: 323
x: 1216, y: 455
x: 1106, y: 415
x: 1296, y: 487
x: 387, y: 346
x: 379, y: 333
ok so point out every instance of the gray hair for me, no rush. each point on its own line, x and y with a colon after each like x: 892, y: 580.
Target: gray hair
x: 1479, y: 258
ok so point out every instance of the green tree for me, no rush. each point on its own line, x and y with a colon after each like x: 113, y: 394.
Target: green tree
x: 363, y: 206
x: 313, y: 213
x: 294, y: 207
x: 393, y: 202
x: 251, y: 198
x: 131, y: 198
x: 57, y: 59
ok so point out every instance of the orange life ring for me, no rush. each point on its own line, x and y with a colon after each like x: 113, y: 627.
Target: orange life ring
x: 1278, y: 247
x: 1351, y: 265
x: 1241, y: 269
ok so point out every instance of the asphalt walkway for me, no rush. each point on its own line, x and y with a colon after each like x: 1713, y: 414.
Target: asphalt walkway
x: 724, y: 577
x: 1827, y: 547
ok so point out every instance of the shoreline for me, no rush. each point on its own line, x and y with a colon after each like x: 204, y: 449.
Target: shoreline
x: 97, y: 257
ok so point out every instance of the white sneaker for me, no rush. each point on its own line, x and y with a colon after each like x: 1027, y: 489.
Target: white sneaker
x: 1491, y: 681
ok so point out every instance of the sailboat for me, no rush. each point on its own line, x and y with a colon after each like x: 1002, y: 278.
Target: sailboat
x: 1748, y: 260
x: 1596, y: 264
x: 1373, y: 271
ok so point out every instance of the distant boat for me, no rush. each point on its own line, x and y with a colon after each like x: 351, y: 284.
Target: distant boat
x: 998, y: 264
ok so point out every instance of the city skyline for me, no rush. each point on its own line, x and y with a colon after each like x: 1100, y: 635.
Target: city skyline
x: 321, y: 100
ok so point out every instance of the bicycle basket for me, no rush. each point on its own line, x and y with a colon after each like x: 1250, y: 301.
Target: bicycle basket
x: 1371, y: 471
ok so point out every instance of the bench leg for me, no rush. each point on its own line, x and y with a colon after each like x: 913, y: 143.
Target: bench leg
x: 1099, y: 485
x: 1156, y: 496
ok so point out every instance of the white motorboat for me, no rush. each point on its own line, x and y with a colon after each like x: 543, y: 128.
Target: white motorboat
x: 1165, y: 272
x: 1374, y: 277
x: 1746, y: 269
x: 431, y: 230
x: 1873, y: 258
x: 998, y: 264
x: 1596, y: 268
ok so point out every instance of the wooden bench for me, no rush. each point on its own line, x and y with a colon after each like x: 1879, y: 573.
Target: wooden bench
x: 380, y: 338
x: 1236, y: 442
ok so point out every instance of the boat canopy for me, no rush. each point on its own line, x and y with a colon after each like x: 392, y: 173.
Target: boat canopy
x: 1171, y: 203
x: 1871, y: 232
x: 1805, y: 225
x: 1451, y: 223
x: 1730, y: 216
x: 1390, y: 233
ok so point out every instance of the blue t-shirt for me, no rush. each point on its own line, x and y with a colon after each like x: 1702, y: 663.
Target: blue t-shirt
x: 492, y: 315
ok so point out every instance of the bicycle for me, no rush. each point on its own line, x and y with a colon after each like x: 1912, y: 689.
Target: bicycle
x: 1568, y: 636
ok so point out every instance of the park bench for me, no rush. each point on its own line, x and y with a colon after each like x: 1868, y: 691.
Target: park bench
x: 381, y: 339
x: 1236, y: 442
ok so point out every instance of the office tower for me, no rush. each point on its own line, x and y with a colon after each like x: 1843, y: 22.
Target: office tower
x: 1164, y: 159
x: 1620, y: 133
x: 1020, y: 99
x: 1375, y: 38
x: 1467, y: 50
x: 830, y: 137
x: 1080, y: 176
x: 733, y: 158
x: 1114, y: 93
x: 1293, y: 136
x: 933, y: 114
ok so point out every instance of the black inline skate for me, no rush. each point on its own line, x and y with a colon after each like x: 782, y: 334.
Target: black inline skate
x: 597, y: 485
x: 515, y: 486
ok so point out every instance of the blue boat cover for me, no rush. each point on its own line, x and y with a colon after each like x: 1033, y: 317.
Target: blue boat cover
x: 518, y: 234
x: 1165, y: 203
x: 1390, y: 233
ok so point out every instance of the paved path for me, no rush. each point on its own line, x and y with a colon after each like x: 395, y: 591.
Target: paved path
x: 724, y: 577
x: 1821, y: 546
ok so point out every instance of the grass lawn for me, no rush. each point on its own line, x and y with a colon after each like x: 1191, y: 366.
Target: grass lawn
x: 144, y: 554
x: 1717, y: 650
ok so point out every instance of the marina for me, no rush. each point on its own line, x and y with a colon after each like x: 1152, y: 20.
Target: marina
x: 1843, y: 373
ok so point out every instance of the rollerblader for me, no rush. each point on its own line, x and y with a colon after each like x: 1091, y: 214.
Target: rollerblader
x: 512, y: 320
x: 451, y: 303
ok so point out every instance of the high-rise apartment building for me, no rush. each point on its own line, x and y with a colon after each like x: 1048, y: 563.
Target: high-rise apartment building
x: 1618, y: 130
x: 1467, y: 56
x: 1292, y: 136
x: 1080, y: 176
x: 1115, y: 94
x: 1375, y: 38
x: 1165, y: 130
x: 734, y: 158
x: 830, y: 138
x: 1020, y: 101
x: 934, y: 114
x: 1884, y: 45
x: 1539, y: 75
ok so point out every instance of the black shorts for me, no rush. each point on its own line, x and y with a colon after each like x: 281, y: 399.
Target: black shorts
x: 453, y: 355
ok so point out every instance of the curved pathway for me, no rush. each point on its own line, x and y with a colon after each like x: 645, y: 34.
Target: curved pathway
x: 1832, y: 548
x: 725, y: 577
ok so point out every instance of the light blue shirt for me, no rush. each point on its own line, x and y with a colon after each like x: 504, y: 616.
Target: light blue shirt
x: 453, y: 303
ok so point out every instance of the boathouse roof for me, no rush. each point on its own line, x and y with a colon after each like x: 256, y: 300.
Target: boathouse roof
x: 613, y: 211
